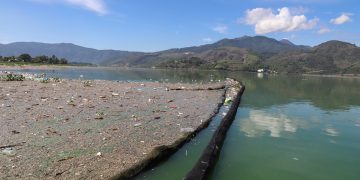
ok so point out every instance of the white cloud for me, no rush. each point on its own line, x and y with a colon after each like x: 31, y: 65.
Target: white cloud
x: 343, y: 18
x: 207, y: 39
x: 323, y: 30
x: 265, y: 21
x: 222, y: 29
x: 311, y: 2
x: 97, y: 6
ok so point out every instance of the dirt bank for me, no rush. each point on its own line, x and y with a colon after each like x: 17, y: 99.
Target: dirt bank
x: 94, y: 129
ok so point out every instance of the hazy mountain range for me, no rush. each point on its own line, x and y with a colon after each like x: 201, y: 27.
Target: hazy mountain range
x: 69, y: 51
x: 245, y: 53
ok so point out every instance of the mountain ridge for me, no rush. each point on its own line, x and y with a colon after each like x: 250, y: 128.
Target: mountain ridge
x: 73, y: 52
x: 246, y: 53
x: 327, y: 58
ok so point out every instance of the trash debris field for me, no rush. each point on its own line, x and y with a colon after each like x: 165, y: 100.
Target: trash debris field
x: 94, y: 129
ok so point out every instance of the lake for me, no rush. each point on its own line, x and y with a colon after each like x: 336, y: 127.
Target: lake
x: 287, y: 126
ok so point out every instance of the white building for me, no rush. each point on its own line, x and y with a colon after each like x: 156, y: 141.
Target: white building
x: 261, y: 70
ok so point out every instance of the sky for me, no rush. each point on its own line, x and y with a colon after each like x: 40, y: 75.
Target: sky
x: 153, y: 25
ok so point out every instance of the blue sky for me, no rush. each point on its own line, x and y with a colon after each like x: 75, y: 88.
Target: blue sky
x: 152, y: 25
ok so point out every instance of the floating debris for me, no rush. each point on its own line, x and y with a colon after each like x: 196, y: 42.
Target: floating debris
x: 15, y: 132
x: 186, y: 130
x: 87, y: 83
x: 99, y: 115
x: 227, y: 101
x: 66, y: 124
x: 71, y: 102
x: 137, y: 125
x: 8, y: 151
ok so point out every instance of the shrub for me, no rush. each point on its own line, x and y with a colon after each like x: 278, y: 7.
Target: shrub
x: 12, y: 77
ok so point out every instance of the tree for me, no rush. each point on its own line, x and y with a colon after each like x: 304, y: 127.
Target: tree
x: 10, y: 59
x: 25, y: 57
x: 63, y: 61
x: 40, y: 59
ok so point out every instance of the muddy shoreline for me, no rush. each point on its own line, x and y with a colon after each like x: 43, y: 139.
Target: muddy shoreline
x: 97, y: 129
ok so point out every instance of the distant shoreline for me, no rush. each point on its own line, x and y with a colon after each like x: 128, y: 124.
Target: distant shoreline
x: 54, y: 67
x: 41, y: 67
x: 333, y: 75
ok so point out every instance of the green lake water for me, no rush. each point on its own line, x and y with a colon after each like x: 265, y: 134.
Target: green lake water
x: 287, y: 127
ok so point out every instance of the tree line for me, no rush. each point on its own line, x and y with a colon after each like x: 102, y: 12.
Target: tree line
x: 38, y: 59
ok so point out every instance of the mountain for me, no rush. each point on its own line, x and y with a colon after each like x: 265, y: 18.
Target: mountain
x: 286, y: 41
x: 329, y: 57
x: 261, y: 44
x: 72, y: 52
x: 244, y: 53
x: 230, y: 58
x: 258, y: 44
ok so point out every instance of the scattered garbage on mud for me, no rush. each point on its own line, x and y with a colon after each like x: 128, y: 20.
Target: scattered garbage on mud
x: 52, y: 127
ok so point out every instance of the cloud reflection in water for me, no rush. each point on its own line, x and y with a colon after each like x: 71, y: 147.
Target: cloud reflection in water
x: 330, y: 131
x: 260, y: 122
